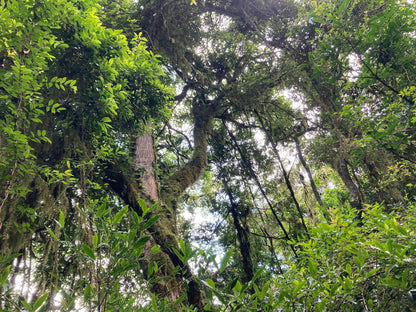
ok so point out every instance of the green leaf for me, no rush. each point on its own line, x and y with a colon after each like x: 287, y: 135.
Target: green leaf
x: 179, y: 255
x: 132, y: 235
x: 143, y: 206
x: 40, y: 301
x: 102, y: 211
x: 95, y: 240
x: 342, y: 6
x: 264, y: 290
x: 372, y: 272
x: 210, y: 283
x: 231, y: 284
x: 257, y: 274
x: 26, y: 305
x: 182, y: 245
x: 136, y: 218
x: 87, y: 292
x: 154, y: 302
x: 4, y: 275
x: 179, y: 300
x: 237, y: 287
x: 226, y: 259
x: 61, y: 219
x: 150, y: 222
x: 155, y: 248
x: 325, y: 227
x: 313, y: 268
x: 10, y: 259
x: 52, y: 233
x: 360, y: 259
x: 88, y: 251
x: 298, y: 286
x: 370, y: 303
x: 120, y: 214
x: 141, y: 242
x: 154, y: 205
x: 348, y: 268
x: 322, y: 305
x: 389, y: 246
x: 347, y: 284
x: 150, y: 269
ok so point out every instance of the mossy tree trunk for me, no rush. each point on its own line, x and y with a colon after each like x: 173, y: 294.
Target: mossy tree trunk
x: 170, y: 282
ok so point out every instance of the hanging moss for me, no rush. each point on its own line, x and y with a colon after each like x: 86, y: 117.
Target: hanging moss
x: 22, y: 216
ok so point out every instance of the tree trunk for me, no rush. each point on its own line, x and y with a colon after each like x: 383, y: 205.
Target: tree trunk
x: 356, y: 200
x: 239, y: 214
x: 167, y: 285
x: 144, y: 159
x: 170, y: 281
x: 310, y: 177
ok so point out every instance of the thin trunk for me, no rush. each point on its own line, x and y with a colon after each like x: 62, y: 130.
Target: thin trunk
x: 263, y: 192
x: 242, y: 236
x: 356, y: 200
x: 290, y: 188
x: 267, y: 236
x: 309, y: 173
x: 285, y: 175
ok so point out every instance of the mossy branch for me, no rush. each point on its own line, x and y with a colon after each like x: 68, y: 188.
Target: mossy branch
x: 189, y: 173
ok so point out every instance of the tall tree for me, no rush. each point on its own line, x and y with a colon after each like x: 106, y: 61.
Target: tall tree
x: 87, y: 122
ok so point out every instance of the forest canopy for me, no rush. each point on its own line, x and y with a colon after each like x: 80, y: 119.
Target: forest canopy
x: 176, y: 155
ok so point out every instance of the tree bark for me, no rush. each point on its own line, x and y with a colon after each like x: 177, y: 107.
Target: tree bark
x: 240, y: 224
x: 309, y: 173
x: 167, y: 284
x: 164, y: 231
x: 356, y: 196
x: 144, y: 158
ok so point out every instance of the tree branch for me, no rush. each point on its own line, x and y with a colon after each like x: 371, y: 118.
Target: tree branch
x: 189, y: 173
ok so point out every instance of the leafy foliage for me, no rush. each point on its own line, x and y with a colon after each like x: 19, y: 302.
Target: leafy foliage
x: 71, y: 89
x: 298, y: 115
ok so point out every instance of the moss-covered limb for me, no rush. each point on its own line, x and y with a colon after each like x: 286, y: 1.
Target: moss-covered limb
x: 357, y: 200
x: 169, y: 282
x: 188, y: 174
x: 239, y: 215
x: 164, y: 283
x: 203, y: 114
x: 123, y: 184
x: 171, y: 27
x: 24, y: 215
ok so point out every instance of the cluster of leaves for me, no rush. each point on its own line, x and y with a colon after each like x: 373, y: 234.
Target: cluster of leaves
x: 350, y: 62
x: 346, y: 265
x: 354, y: 267
x: 107, y: 262
x: 61, y: 67
x: 365, y: 59
x: 22, y: 81
x: 72, y: 94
